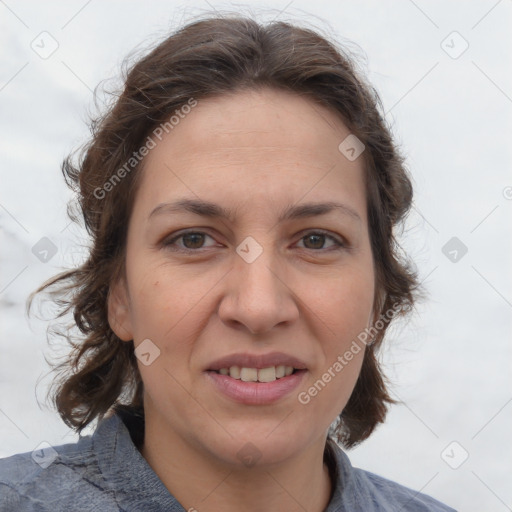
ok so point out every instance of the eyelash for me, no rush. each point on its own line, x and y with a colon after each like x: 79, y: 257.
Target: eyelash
x: 170, y: 243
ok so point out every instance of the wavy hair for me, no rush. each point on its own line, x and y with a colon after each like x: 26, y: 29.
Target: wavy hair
x: 207, y: 58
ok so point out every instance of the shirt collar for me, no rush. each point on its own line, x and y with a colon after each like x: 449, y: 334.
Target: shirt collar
x: 138, y: 487
x: 135, y: 484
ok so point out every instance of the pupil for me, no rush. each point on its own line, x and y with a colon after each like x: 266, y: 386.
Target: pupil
x: 319, y: 240
x: 198, y: 240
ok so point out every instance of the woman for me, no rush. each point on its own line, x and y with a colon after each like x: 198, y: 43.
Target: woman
x: 241, y: 196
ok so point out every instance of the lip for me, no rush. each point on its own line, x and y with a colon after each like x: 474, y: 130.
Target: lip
x: 255, y: 393
x: 259, y: 361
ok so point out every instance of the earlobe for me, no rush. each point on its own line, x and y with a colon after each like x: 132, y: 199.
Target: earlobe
x: 119, y: 315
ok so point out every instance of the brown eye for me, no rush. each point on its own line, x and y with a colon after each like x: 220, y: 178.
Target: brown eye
x: 316, y: 241
x: 190, y: 241
x: 193, y: 240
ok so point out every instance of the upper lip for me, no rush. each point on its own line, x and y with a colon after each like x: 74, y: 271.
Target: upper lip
x: 244, y: 360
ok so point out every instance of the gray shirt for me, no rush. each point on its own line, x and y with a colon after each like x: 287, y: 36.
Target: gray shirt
x: 106, y: 472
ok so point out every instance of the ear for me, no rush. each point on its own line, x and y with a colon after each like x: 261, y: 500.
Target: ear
x: 119, y: 311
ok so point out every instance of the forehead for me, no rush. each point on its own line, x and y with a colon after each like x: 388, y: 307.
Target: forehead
x: 253, y: 145
x: 266, y: 118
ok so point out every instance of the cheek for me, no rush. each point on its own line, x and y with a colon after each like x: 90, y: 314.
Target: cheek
x: 168, y: 305
x: 342, y: 308
x: 167, y: 311
x: 342, y: 302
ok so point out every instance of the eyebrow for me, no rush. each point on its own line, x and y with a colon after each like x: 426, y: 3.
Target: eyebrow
x: 213, y: 210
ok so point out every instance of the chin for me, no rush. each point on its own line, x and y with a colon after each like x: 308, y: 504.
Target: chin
x: 269, y: 443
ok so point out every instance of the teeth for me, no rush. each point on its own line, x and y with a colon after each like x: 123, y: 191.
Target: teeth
x: 249, y: 374
x: 269, y: 374
x: 234, y: 372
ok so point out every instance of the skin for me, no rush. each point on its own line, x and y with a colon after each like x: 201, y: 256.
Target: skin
x: 257, y: 152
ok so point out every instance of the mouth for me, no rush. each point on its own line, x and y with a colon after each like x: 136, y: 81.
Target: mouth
x: 256, y: 379
x: 269, y: 374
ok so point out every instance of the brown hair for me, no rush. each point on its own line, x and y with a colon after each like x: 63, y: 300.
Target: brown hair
x: 207, y: 58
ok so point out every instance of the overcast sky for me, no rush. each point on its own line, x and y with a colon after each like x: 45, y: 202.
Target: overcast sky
x: 443, y: 72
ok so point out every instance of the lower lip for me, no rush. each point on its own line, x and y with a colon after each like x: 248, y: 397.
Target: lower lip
x: 256, y: 393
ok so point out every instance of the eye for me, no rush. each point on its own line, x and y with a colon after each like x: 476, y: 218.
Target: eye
x: 191, y: 240
x: 316, y: 240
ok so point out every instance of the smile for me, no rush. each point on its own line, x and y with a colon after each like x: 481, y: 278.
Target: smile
x: 269, y: 374
x: 255, y: 391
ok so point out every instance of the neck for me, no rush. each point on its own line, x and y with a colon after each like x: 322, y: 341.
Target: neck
x: 203, y: 484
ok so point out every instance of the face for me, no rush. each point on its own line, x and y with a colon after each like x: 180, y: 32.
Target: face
x: 268, y: 287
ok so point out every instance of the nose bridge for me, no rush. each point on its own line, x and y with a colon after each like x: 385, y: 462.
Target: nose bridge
x: 258, y: 297
x: 262, y: 273
x: 256, y: 272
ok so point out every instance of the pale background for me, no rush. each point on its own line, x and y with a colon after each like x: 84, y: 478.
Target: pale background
x: 451, y: 363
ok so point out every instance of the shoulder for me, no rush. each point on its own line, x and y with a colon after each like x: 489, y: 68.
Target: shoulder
x: 390, y: 494
x: 51, y: 478
x: 360, y: 490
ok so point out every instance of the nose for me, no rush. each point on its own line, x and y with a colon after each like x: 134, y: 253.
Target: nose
x: 258, y: 296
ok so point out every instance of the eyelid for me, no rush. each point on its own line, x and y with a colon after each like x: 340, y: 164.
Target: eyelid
x: 168, y: 242
x: 340, y: 242
x: 337, y: 239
